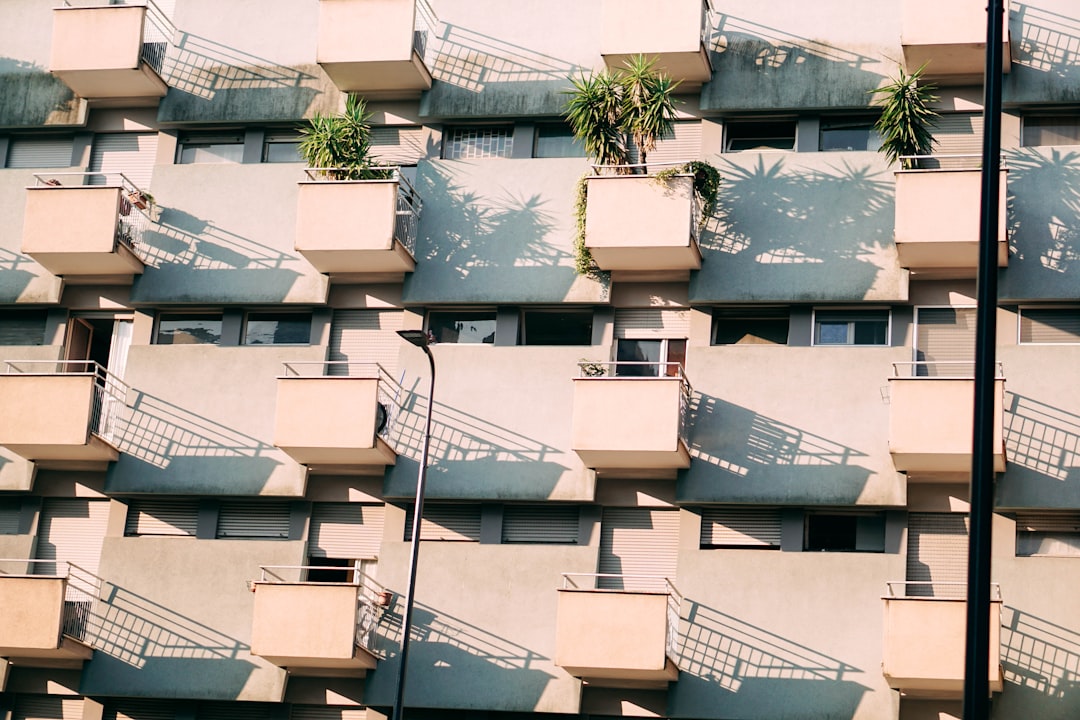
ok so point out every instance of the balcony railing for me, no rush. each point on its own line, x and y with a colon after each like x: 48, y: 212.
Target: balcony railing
x: 932, y: 589
x: 644, y: 370
x: 133, y: 217
x: 944, y: 369
x: 706, y: 22
x: 425, y: 25
x: 615, y: 582
x: 81, y: 590
x: 944, y: 161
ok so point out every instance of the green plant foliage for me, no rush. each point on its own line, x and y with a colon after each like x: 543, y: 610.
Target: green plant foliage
x: 341, y: 144
x: 706, y: 184
x: 583, y: 259
x: 648, y: 108
x: 906, y: 118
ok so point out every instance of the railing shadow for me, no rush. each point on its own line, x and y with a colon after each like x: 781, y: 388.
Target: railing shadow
x: 180, y: 238
x: 1041, y: 438
x: 472, y: 60
x: 780, y: 46
x: 1040, y: 657
x: 203, y: 67
x: 1049, y: 42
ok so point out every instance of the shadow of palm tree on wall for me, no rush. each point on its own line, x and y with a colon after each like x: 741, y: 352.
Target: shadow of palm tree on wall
x: 1044, y: 212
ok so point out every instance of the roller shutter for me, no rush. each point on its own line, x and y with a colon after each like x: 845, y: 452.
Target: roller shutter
x: 1050, y: 326
x: 398, y: 145
x: 40, y: 152
x: 681, y: 144
x: 253, y: 520
x: 348, y: 531
x: 540, y: 524
x: 1052, y: 533
x: 237, y: 711
x: 327, y: 712
x: 945, y: 335
x: 958, y: 134
x: 10, y: 510
x: 70, y: 530
x: 25, y: 327
x: 132, y: 709
x: 132, y: 154
x: 366, y: 336
x: 640, y: 324
x: 162, y: 517
x: 456, y: 523
x: 937, y: 552
x: 47, y: 707
x: 638, y: 541
x: 740, y: 527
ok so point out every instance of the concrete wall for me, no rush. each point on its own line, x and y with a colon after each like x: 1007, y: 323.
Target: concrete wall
x: 21, y: 279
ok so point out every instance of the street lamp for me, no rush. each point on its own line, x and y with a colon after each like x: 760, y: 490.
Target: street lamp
x: 422, y: 340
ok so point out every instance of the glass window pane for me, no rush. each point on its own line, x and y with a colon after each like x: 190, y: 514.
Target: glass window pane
x: 1051, y: 130
x: 548, y: 327
x: 761, y: 135
x: 462, y: 327
x: 849, y: 135
x: 211, y: 153
x: 832, y: 333
x: 636, y: 353
x: 282, y: 152
x: 556, y: 141
x: 189, y: 329
x: 278, y: 329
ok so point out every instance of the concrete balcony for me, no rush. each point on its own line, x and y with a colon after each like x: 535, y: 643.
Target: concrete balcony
x: 321, y: 629
x: 637, y: 226
x: 937, y: 221
x: 930, y: 418
x: 45, y: 616
x: 62, y: 414
x: 949, y: 38
x: 376, y: 47
x: 674, y: 32
x: 360, y: 228
x: 335, y: 417
x: 86, y: 233
x: 631, y: 426
x: 923, y: 652
x: 618, y: 638
x: 111, y: 51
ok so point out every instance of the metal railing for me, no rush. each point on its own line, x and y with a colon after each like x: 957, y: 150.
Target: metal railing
x: 644, y: 370
x: 110, y: 392
x: 944, y: 161
x: 706, y: 22
x: 425, y: 23
x: 133, y: 214
x: 81, y: 589
x: 941, y: 369
x: 930, y: 589
x: 408, y: 207
x: 372, y: 598
x: 656, y: 584
x: 387, y: 394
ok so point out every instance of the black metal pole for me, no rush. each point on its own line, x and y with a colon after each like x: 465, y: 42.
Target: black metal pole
x: 414, y: 547
x: 977, y: 647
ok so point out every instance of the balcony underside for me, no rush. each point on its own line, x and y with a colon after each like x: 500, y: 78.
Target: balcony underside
x: 952, y: 62
x: 932, y: 462
x: 137, y: 82
x: 357, y: 665
x: 95, y: 453
x: 395, y: 261
x: 637, y: 463
x: 382, y: 79
x: 628, y: 679
x: 347, y: 460
x: 120, y: 264
x: 690, y: 67
x: 647, y: 262
x: 69, y: 655
x: 945, y: 259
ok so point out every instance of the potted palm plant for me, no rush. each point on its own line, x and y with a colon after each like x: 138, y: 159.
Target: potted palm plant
x: 906, y: 118
x: 339, y: 146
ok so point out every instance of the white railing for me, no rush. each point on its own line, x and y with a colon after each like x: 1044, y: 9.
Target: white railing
x: 158, y: 33
x: 110, y: 392
x: 932, y: 589
x: 635, y: 583
x: 425, y: 24
x: 644, y: 370
x: 81, y: 589
x: 387, y: 394
x: 941, y: 369
x: 133, y: 215
x: 944, y: 161
x: 706, y: 23
x: 646, y: 168
x: 372, y: 598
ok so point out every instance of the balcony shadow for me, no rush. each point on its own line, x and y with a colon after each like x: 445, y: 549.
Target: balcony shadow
x: 13, y: 279
x: 1044, y: 212
x: 479, y: 74
x: 799, y: 234
x: 757, y: 66
x: 1041, y: 660
x: 1048, y: 43
x: 31, y: 96
x: 742, y: 670
x: 1042, y: 444
x: 166, y: 448
x: 743, y: 456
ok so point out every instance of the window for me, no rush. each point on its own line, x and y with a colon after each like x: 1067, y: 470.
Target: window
x: 253, y: 520
x: 474, y: 142
x: 740, y: 528
x: 650, y: 358
x: 462, y: 327
x: 227, y: 147
x: 844, y: 532
x: 556, y: 140
x: 277, y: 328
x: 49, y: 151
x: 282, y: 146
x: 760, y: 135
x: 449, y: 523
x: 540, y: 524
x: 1050, y: 326
x: 22, y: 327
x: 189, y: 329
x: 177, y: 518
x: 750, y: 326
x: 556, y: 327
x: 848, y: 133
x: 1051, y: 130
x: 851, y: 327
x: 1049, y: 533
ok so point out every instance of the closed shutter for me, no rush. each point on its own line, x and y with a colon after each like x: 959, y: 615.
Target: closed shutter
x: 1053, y: 533
x: 47, y: 707
x: 638, y: 541
x: 10, y: 510
x: 937, y: 552
x: 40, y: 153
x: 540, y: 524
x: 132, y: 709
x: 70, y: 530
x: 327, y: 712
x: 162, y: 517
x: 398, y: 145
x: 253, y: 520
x: 132, y: 154
x: 1051, y: 326
x: 638, y: 324
x: 455, y: 523
x: 740, y: 527
x: 25, y: 327
x: 366, y: 336
x: 958, y: 134
x: 236, y: 711
x: 945, y: 335
x: 681, y: 144
x: 347, y: 531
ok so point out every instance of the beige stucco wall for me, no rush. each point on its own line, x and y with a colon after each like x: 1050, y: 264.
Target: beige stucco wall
x: 33, y: 613
x: 304, y: 621
x: 612, y: 634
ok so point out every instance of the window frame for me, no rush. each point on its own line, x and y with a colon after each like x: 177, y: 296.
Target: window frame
x: 751, y: 313
x: 247, y: 319
x: 574, y: 142
x: 665, y: 354
x: 523, y: 338
x: 470, y: 311
x: 815, y: 328
x: 854, y: 514
x: 448, y: 141
x: 1025, y: 118
x: 280, y: 136
x: 857, y: 120
x: 208, y: 138
x: 730, y: 123
x: 1020, y: 324
x: 161, y: 315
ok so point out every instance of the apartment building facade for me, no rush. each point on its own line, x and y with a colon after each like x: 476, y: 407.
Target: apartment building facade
x: 725, y: 476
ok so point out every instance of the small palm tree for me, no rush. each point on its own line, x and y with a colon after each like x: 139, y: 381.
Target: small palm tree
x: 648, y: 106
x: 341, y: 143
x: 906, y: 118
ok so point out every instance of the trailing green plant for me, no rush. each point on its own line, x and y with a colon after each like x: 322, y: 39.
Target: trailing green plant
x: 906, y: 117
x: 340, y: 145
x: 583, y: 259
x: 706, y: 184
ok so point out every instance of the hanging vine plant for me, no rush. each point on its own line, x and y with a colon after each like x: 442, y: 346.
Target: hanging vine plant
x: 706, y: 184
